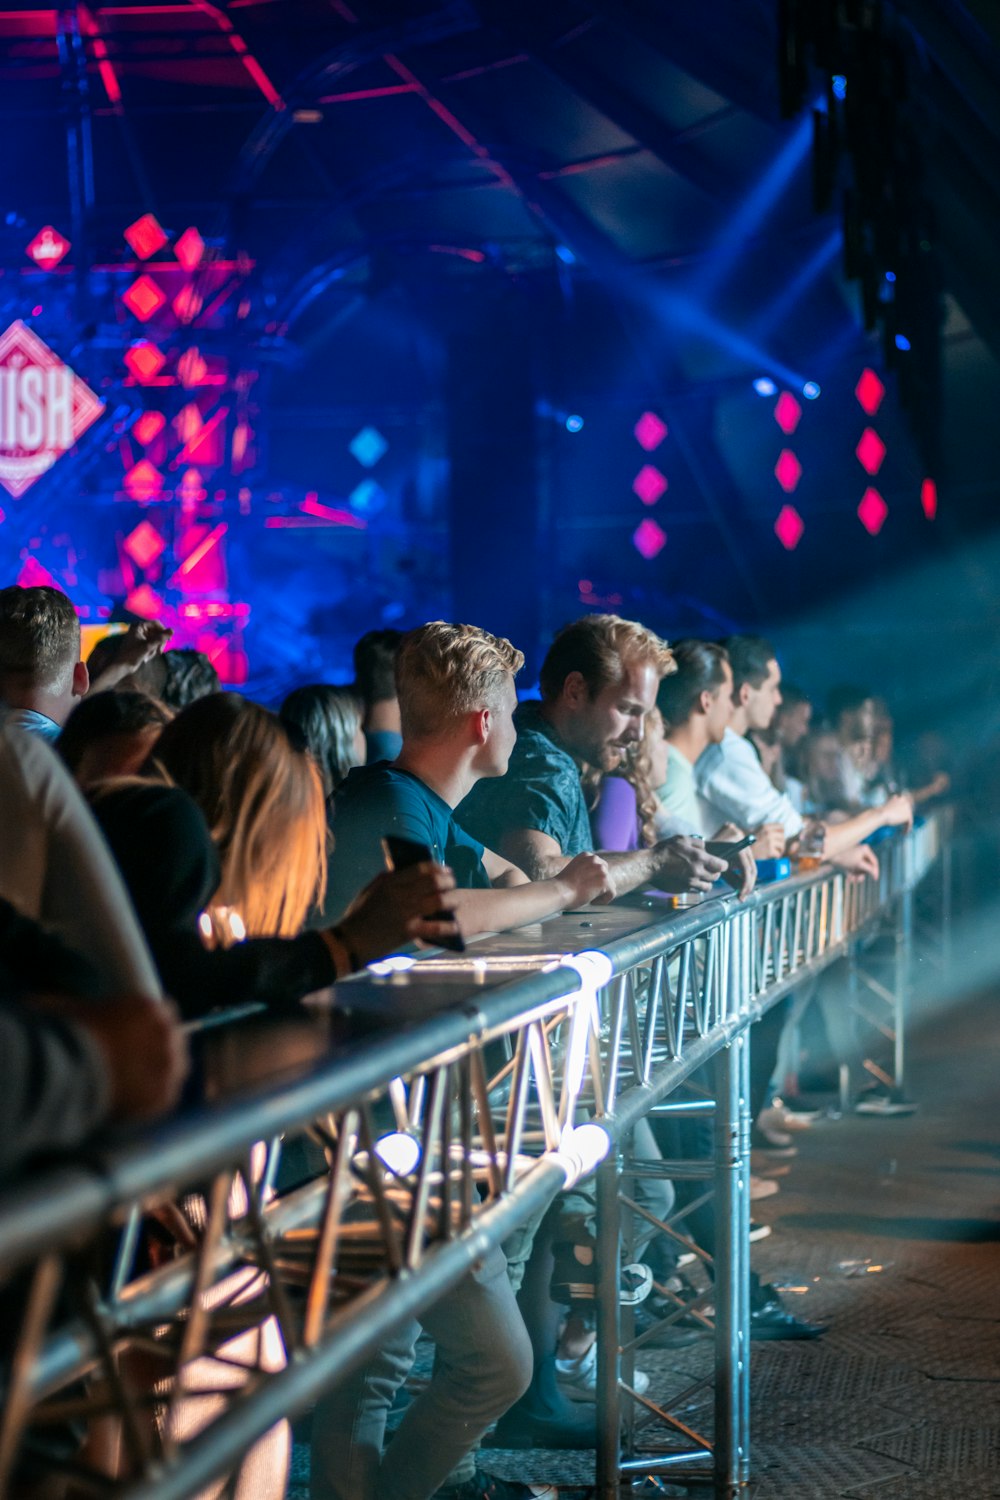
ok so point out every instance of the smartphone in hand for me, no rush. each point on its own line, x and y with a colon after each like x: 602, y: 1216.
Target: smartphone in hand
x: 402, y: 854
x: 725, y: 849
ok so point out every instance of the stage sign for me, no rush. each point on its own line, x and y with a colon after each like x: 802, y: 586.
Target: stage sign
x: 44, y: 408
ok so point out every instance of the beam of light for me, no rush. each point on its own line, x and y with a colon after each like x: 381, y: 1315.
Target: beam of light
x: 679, y: 312
x: 776, y: 313
x: 750, y: 215
x: 293, y: 523
x: 202, y: 435
x: 201, y: 551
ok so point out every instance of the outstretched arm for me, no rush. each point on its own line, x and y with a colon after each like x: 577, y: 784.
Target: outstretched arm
x: 677, y: 864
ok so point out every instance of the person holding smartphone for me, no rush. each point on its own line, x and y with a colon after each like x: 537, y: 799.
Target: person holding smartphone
x: 456, y: 700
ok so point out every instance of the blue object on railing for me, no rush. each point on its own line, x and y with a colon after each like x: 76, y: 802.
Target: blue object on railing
x: 773, y: 869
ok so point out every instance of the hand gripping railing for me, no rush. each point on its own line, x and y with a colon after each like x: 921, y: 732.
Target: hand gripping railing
x: 455, y: 1120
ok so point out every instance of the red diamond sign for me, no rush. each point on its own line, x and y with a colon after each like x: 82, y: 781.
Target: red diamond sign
x: 143, y: 298
x: 145, y: 361
x: 48, y: 248
x: 788, y: 470
x: 44, y: 408
x: 145, y: 236
x: 872, y: 511
x: 787, y: 413
x: 870, y: 451
x: 869, y: 391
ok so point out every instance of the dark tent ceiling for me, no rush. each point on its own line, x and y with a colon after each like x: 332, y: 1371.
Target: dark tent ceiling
x: 470, y: 135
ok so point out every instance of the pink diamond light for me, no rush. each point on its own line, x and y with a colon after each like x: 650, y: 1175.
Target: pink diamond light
x: 649, y: 539
x: 789, y: 527
x: 649, y: 484
x: 145, y: 602
x: 788, y: 470
x: 787, y: 413
x: 143, y: 298
x: 649, y: 431
x: 872, y: 511
x: 189, y: 249
x: 870, y: 451
x: 144, y: 481
x: 148, y: 426
x: 929, y: 498
x: 144, y: 545
x: 869, y: 391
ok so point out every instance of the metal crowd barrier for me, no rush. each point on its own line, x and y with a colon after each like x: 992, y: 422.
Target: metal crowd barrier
x: 452, y: 1099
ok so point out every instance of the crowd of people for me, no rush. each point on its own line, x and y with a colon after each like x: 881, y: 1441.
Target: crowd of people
x: 170, y: 847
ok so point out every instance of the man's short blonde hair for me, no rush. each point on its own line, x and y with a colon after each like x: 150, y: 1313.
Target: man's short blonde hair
x: 598, y: 646
x: 444, y: 671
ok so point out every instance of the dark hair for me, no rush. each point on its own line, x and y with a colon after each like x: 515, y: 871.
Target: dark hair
x: 375, y: 666
x: 846, y: 698
x: 39, y: 635
x: 791, y: 697
x: 750, y: 657
x: 700, y: 669
x: 105, y: 714
x: 327, y: 719
x: 177, y: 677
x: 597, y: 646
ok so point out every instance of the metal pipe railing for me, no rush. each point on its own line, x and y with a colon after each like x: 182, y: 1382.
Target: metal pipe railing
x: 604, y: 1013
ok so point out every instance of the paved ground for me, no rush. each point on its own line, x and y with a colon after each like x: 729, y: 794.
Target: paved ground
x: 889, y: 1230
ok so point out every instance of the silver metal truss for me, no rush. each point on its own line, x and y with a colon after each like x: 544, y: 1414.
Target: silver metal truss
x: 468, y: 1092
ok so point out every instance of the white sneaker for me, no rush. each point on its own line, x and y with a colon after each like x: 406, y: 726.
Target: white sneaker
x: 880, y: 1104
x: 762, y: 1187
x: 577, y: 1378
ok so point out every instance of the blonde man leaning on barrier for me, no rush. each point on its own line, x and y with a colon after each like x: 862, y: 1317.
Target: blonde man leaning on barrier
x: 456, y: 700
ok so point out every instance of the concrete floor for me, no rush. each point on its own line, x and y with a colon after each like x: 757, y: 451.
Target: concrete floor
x: 901, y: 1398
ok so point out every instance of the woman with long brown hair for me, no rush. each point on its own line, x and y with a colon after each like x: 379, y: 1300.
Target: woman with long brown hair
x: 224, y: 838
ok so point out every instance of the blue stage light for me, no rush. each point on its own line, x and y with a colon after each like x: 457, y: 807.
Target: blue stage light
x: 764, y: 386
x: 890, y: 275
x: 566, y: 255
x: 902, y: 342
x: 811, y: 390
x: 574, y: 424
x: 839, y: 86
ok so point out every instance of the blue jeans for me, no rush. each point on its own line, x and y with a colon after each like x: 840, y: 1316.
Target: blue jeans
x: 483, y: 1365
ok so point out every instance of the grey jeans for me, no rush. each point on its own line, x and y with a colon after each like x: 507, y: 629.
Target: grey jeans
x: 483, y: 1366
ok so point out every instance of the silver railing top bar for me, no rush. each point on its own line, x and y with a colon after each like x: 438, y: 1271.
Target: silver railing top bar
x: 486, y: 1063
x: 481, y: 999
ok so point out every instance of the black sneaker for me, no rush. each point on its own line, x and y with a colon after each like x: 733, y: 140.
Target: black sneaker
x: 770, y: 1319
x: 574, y: 1276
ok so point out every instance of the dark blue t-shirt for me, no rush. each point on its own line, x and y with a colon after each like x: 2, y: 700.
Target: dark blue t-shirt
x: 541, y: 791
x: 374, y: 801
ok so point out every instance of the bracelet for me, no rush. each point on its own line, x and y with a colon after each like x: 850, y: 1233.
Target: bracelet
x: 354, y: 962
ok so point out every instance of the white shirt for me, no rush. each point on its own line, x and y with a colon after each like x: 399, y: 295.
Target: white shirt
x: 678, y: 811
x: 56, y: 868
x: 733, y: 787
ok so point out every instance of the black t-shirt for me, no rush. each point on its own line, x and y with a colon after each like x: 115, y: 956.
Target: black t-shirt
x: 164, y: 850
x: 374, y: 801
